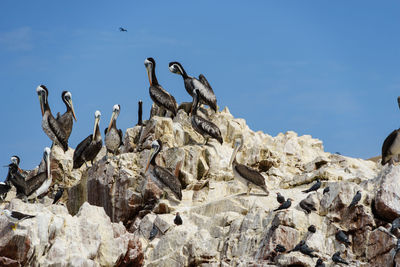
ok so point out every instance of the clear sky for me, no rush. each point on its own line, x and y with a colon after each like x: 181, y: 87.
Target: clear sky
x: 330, y: 69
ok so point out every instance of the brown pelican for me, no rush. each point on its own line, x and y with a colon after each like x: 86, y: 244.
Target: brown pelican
x: 32, y: 183
x: 161, y: 176
x: 159, y: 96
x: 391, y: 147
x: 113, y: 136
x: 49, y: 124
x: 204, y: 127
x: 246, y: 175
x: 206, y: 93
x: 66, y: 120
x: 90, y: 146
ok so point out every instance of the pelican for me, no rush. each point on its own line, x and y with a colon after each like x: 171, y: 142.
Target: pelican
x: 32, y: 183
x: 90, y: 146
x: 391, y: 147
x: 204, y: 127
x: 113, y: 137
x: 206, y: 93
x: 66, y: 120
x: 159, y: 96
x: 162, y: 176
x: 49, y: 124
x: 246, y: 175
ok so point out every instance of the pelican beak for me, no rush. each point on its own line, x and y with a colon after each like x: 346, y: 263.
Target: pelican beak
x: 72, y: 108
x: 41, y: 103
x: 111, y: 121
x: 150, y: 157
x: 235, y: 150
x: 96, y: 122
x: 149, y: 75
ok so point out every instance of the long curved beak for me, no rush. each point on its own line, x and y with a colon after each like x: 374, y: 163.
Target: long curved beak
x: 111, y: 121
x: 148, y: 162
x: 149, y: 74
x: 41, y: 103
x: 235, y: 150
x: 72, y: 108
x: 96, y: 122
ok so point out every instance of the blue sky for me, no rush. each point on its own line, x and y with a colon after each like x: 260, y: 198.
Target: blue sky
x: 325, y: 68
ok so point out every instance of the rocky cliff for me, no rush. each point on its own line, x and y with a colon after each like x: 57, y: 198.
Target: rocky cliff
x: 110, y: 215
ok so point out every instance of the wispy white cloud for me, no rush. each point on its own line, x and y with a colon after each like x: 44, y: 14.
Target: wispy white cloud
x: 19, y: 39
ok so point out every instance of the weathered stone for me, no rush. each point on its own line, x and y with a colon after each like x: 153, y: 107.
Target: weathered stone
x: 387, y: 200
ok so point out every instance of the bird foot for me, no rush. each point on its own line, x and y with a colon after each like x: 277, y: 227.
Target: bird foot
x: 14, y: 227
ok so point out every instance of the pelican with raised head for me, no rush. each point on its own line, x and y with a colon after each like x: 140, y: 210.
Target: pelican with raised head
x: 113, y: 136
x: 160, y: 175
x: 88, y: 149
x: 206, y: 93
x: 32, y: 183
x: 159, y: 96
x: 204, y: 127
x: 50, y: 126
x: 66, y: 120
x: 244, y: 174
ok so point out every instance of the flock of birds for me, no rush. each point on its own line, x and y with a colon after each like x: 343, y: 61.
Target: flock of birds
x: 30, y: 184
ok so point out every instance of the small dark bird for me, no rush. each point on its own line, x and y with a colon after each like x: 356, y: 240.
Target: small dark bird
x: 326, y: 190
x: 153, y: 232
x: 280, y: 198
x: 320, y: 263
x: 306, y: 250
x: 336, y: 258
x: 395, y: 224
x: 342, y: 237
x: 307, y: 207
x: 122, y: 29
x: 355, y: 200
x: 297, y: 247
x: 140, y: 112
x: 178, y: 219
x: 280, y: 248
x: 312, y: 228
x: 58, y: 195
x: 314, y: 187
x: 285, y: 204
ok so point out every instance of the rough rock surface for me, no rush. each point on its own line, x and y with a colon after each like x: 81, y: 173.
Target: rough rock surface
x: 222, y: 226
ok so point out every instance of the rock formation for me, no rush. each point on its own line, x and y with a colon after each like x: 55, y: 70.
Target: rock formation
x: 113, y: 206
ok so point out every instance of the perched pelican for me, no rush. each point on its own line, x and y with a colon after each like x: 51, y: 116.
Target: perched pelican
x: 49, y: 124
x: 4, y: 188
x: 66, y: 120
x: 90, y: 146
x: 206, y: 93
x: 113, y: 137
x: 32, y: 183
x: 159, y: 96
x: 245, y: 174
x: 391, y: 147
x: 204, y: 127
x: 16, y: 217
x: 140, y: 113
x: 161, y: 176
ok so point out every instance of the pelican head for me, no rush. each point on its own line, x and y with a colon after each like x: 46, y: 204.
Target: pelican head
x: 150, y: 65
x: 46, y: 157
x: 67, y: 98
x: 15, y: 159
x: 176, y: 67
x: 114, y: 115
x: 97, y: 115
x: 43, y: 93
x: 237, y: 146
x: 156, y: 146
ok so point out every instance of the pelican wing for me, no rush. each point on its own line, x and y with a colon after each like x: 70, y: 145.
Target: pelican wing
x: 34, y: 183
x: 206, y: 93
x: 80, y: 149
x: 163, y: 98
x: 58, y: 132
x: 207, y: 127
x: 204, y: 81
x: 250, y: 174
x: 167, y: 178
x: 120, y: 137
